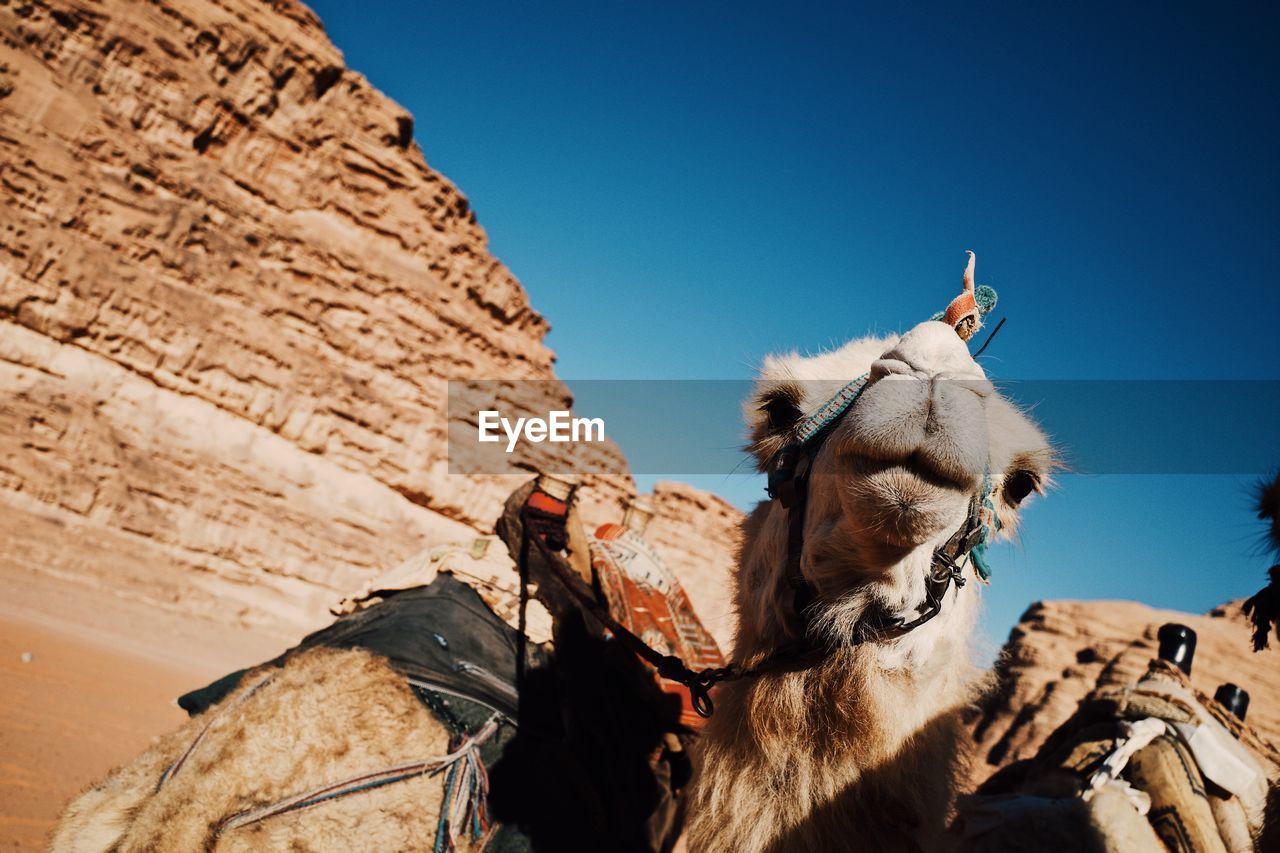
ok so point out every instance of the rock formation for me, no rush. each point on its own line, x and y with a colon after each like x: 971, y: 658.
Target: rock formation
x: 1061, y: 650
x: 231, y: 294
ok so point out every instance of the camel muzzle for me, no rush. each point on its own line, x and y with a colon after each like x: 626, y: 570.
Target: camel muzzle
x: 930, y: 399
x: 936, y: 423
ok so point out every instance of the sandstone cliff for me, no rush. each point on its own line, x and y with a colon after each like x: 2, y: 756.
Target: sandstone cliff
x: 1061, y: 650
x: 231, y: 294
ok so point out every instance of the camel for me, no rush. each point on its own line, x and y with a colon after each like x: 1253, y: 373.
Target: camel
x: 856, y: 744
x: 329, y: 699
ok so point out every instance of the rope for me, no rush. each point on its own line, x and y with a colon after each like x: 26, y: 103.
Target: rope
x: 214, y: 717
x: 1134, y: 735
x: 465, y: 805
x: 467, y: 748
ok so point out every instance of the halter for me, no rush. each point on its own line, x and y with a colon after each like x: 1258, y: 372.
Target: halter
x: 789, y: 485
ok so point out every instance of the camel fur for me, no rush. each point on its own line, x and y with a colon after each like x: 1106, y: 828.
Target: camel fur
x: 862, y: 750
x: 250, y: 756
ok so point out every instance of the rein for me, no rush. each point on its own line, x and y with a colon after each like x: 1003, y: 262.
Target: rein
x: 543, y: 528
x: 789, y: 485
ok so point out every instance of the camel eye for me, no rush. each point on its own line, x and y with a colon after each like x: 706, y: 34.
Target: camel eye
x: 1018, y: 485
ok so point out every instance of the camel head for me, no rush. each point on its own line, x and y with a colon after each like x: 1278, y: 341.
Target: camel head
x: 896, y: 476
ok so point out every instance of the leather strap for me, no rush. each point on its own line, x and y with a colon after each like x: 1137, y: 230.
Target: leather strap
x: 544, y: 528
x: 544, y: 531
x: 789, y: 485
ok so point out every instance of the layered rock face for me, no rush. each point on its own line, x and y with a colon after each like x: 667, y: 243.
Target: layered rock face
x: 231, y: 294
x: 1062, y: 650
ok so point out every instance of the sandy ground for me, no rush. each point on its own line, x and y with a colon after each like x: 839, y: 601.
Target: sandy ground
x: 98, y: 685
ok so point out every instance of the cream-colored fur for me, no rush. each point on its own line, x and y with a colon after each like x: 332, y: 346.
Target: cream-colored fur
x: 861, y: 751
x: 326, y: 716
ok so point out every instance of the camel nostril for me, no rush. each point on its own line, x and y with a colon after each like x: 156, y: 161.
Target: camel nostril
x: 883, y: 367
x: 982, y: 388
x: 932, y: 349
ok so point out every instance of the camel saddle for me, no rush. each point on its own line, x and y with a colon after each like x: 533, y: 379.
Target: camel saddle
x: 626, y: 574
x: 1152, y: 766
x: 647, y: 599
x: 453, y: 621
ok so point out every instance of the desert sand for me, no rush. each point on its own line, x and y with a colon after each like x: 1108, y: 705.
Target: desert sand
x: 87, y: 679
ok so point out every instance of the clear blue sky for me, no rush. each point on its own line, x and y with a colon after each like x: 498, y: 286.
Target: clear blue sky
x: 683, y: 188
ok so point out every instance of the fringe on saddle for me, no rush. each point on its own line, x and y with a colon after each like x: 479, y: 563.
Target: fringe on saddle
x: 456, y: 655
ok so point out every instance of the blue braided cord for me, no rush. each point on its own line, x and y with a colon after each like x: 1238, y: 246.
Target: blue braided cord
x: 832, y: 409
x: 473, y: 790
x: 443, y: 843
x: 476, y: 830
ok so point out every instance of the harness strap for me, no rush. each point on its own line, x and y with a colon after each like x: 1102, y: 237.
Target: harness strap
x: 544, y: 535
x: 363, y: 781
x: 793, y: 493
x: 944, y: 569
x: 214, y: 717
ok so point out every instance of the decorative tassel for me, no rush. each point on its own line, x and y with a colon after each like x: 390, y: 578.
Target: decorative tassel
x: 966, y: 311
x: 465, y: 807
x: 990, y: 526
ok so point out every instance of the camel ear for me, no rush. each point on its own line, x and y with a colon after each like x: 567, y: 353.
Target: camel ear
x: 772, y: 413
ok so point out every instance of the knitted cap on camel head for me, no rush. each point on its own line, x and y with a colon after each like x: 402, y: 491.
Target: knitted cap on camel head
x: 966, y: 311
